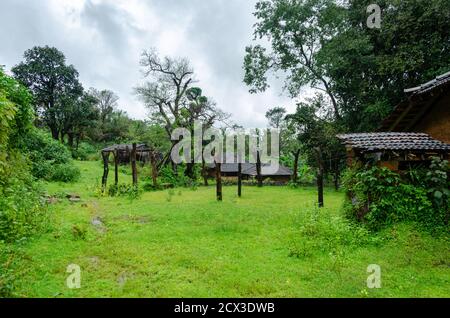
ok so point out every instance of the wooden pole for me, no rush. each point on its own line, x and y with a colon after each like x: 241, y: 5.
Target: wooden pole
x: 133, y: 164
x: 319, y: 177
x: 154, y: 168
x: 239, y: 179
x: 258, y: 169
x: 116, y: 166
x: 204, y: 173
x: 105, y: 156
x: 218, y: 182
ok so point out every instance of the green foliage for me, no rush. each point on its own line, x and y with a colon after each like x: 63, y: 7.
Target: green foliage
x: 79, y: 232
x: 439, y: 183
x: 327, y: 44
x: 379, y: 197
x: 86, y: 152
x: 50, y: 160
x: 21, y: 212
x: 54, y: 84
x: 124, y: 190
x: 167, y: 175
x: 317, y: 231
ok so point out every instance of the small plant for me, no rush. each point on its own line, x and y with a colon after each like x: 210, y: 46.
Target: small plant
x: 170, y: 194
x: 79, y: 232
x: 124, y: 189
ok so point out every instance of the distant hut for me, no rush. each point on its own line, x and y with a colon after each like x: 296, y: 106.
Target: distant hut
x: 124, y: 152
x: 229, y: 171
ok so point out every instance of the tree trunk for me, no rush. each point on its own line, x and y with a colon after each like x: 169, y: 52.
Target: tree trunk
x: 154, y: 170
x: 239, y: 179
x: 336, y: 179
x: 70, y: 138
x: 319, y: 176
x: 204, y: 173
x: 218, y: 182
x: 133, y: 164
x: 116, y: 167
x: 258, y: 170
x: 295, y: 172
x: 105, y: 156
x: 55, y: 133
x: 189, y: 172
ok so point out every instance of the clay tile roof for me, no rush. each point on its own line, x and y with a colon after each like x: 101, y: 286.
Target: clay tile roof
x: 368, y: 142
x: 438, y: 81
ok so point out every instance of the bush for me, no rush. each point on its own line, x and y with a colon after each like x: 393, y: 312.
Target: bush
x: 124, y: 189
x: 65, y: 172
x: 316, y: 231
x: 21, y: 211
x: 86, y: 152
x: 379, y: 197
x: 50, y: 160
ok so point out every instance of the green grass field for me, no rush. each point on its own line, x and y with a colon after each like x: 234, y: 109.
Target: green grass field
x: 182, y: 243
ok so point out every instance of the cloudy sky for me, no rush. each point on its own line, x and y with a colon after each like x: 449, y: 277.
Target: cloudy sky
x: 104, y: 40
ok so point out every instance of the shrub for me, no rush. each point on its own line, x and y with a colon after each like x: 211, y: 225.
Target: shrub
x: 379, y: 197
x: 50, y: 160
x: 21, y: 211
x: 65, y: 172
x: 124, y: 189
x: 316, y: 231
x: 85, y: 152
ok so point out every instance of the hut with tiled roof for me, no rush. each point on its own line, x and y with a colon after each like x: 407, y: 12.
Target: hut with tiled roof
x: 426, y: 109
x: 416, y: 130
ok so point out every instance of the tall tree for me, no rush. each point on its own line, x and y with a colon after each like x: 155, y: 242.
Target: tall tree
x: 296, y: 31
x: 275, y: 116
x: 52, y: 82
x: 169, y: 94
x: 107, y: 103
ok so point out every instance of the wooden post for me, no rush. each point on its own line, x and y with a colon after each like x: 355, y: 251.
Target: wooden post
x: 218, y: 182
x: 204, y: 173
x: 116, y: 166
x: 258, y: 169
x: 295, y: 174
x: 319, y: 177
x: 105, y: 156
x: 154, y: 168
x: 133, y: 164
x: 239, y: 179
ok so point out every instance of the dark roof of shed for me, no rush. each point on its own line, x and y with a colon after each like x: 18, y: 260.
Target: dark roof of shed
x: 249, y: 169
x: 369, y: 142
x: 410, y: 111
x: 123, y: 147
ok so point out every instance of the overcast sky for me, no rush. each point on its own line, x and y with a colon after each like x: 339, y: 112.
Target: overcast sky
x: 104, y: 40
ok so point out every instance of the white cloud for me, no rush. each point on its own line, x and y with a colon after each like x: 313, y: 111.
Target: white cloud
x: 104, y: 40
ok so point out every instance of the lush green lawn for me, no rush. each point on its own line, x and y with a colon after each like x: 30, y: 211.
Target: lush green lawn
x: 269, y: 243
